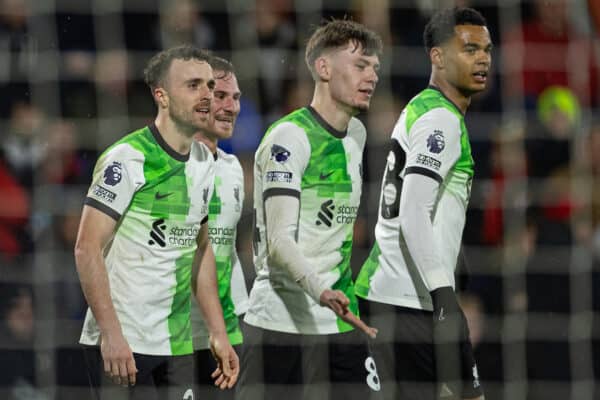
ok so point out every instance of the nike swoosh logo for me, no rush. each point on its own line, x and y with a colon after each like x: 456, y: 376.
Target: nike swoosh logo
x: 325, y: 176
x: 159, y: 196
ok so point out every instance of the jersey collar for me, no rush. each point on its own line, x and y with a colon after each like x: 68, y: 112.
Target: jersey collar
x: 325, y: 124
x: 165, y: 146
x: 446, y: 97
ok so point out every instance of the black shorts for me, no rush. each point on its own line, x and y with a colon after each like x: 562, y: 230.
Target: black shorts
x: 404, y: 353
x: 158, y: 377
x: 284, y: 366
x: 205, y: 365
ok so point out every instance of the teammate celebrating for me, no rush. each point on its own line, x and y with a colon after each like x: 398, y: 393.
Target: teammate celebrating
x: 143, y: 243
x: 307, y: 184
x: 224, y: 211
x: 409, y: 276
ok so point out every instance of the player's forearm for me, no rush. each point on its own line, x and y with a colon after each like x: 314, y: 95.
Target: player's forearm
x: 207, y: 293
x: 96, y: 288
x: 284, y: 252
x: 416, y: 205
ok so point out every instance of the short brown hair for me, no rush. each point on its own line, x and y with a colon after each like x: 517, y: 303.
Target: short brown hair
x: 159, y: 64
x: 337, y: 33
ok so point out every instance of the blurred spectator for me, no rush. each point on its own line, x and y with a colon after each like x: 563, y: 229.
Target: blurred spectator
x: 549, y: 138
x: 182, y: 21
x: 16, y: 323
x: 56, y: 241
x: 14, y: 215
x: 65, y: 298
x: 23, y: 143
x: 18, y: 52
x: 63, y: 162
x: 549, y: 296
x: 17, y: 369
x: 547, y: 50
x: 268, y: 34
x: 111, y: 75
x: 505, y: 194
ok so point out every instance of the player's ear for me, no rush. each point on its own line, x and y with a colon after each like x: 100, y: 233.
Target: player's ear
x: 322, y: 68
x: 436, y: 55
x: 161, y: 97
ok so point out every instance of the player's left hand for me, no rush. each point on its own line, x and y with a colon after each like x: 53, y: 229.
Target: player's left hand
x: 337, y: 301
x: 228, y: 363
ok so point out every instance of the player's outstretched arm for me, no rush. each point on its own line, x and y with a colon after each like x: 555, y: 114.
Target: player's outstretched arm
x: 282, y: 216
x: 204, y: 284
x: 95, y: 230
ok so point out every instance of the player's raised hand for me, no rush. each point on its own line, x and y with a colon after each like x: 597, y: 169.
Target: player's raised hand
x: 228, y: 363
x: 338, y: 302
x: 119, y: 363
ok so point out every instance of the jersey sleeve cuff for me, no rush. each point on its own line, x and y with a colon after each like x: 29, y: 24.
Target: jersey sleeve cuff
x: 102, y: 208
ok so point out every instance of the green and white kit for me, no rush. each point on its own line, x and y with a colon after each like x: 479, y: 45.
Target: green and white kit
x: 224, y: 211
x: 302, y: 156
x: 159, y: 199
x: 430, y: 139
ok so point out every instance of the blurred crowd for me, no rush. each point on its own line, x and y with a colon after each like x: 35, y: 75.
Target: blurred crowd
x: 71, y: 79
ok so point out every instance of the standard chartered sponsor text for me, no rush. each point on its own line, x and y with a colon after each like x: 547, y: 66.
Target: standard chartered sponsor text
x: 183, y: 237
x: 346, y: 214
x: 221, y: 235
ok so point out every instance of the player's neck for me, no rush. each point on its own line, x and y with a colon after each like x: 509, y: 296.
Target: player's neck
x: 452, y: 93
x: 177, y: 140
x: 330, y: 111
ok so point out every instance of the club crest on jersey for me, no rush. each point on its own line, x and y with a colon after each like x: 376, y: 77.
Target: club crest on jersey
x: 112, y: 173
x: 436, y: 142
x: 279, y: 153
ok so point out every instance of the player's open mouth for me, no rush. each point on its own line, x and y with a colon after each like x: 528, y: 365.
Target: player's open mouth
x: 368, y: 92
x: 203, y: 110
x: 480, y: 76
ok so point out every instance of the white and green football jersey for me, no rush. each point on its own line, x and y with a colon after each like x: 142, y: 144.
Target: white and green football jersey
x: 430, y: 138
x: 303, y: 156
x: 224, y: 211
x: 159, y: 199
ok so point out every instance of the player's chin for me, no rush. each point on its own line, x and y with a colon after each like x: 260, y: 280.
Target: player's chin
x: 473, y: 89
x: 477, y: 87
x: 223, y: 134
x: 224, y: 129
x: 362, y: 106
x: 200, y: 124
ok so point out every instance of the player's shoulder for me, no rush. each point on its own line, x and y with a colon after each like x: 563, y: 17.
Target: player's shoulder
x: 229, y: 160
x: 286, y: 132
x: 432, y: 99
x: 357, y: 131
x: 130, y: 147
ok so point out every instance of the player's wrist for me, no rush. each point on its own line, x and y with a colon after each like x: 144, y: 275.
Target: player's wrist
x: 313, y: 285
x: 444, y: 297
